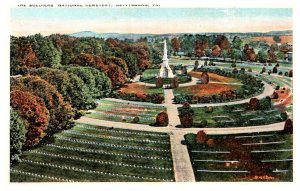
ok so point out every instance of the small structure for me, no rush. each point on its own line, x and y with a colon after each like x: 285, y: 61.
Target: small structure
x: 165, y: 70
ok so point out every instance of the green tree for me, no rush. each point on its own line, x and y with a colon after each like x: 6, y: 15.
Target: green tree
x: 132, y: 62
x: 277, y: 39
x: 224, y: 54
x: 265, y: 103
x: 262, y: 56
x: 48, y: 55
x: 237, y: 43
x: 17, y: 136
x: 69, y: 85
x: 236, y: 54
x: 280, y: 55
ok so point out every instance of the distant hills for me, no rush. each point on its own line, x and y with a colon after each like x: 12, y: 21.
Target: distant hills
x: 133, y: 36
x: 120, y: 36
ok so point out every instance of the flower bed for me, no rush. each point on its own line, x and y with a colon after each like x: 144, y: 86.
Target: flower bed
x: 126, y: 112
x: 218, y: 93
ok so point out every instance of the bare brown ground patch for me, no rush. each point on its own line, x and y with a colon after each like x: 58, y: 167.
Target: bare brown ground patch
x: 134, y: 88
x: 214, y: 77
x: 207, y: 89
x: 270, y: 40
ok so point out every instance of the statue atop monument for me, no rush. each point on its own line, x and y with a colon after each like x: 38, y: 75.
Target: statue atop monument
x: 165, y: 70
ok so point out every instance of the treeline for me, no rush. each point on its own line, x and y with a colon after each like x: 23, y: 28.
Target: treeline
x: 119, y: 60
x: 55, y: 78
x: 220, y: 46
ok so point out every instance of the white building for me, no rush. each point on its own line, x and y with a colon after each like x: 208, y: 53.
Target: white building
x: 165, y: 70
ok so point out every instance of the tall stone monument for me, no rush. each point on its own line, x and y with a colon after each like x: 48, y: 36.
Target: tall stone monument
x: 165, y: 70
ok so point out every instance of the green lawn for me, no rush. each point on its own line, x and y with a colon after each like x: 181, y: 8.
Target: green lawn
x: 150, y: 73
x: 98, y: 154
x: 275, y: 80
x: 181, y: 61
x: 124, y: 112
x: 181, y: 78
x: 244, y: 156
x: 235, y: 116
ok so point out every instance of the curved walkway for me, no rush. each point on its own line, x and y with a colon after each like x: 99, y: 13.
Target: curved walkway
x: 268, y: 90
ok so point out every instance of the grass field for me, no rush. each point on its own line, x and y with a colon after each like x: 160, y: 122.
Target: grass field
x: 244, y: 157
x: 124, y: 112
x: 150, y: 73
x: 98, y: 154
x: 235, y: 116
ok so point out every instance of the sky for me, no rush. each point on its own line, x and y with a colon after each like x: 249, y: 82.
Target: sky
x: 27, y: 21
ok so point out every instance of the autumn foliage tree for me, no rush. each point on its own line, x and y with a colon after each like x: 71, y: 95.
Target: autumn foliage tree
x: 33, y: 110
x: 201, y: 137
x: 222, y: 42
x: 186, y: 115
x: 204, y: 78
x: 162, y: 119
x: 253, y: 104
x: 200, y: 45
x: 61, y: 113
x: 22, y: 56
x: 175, y: 44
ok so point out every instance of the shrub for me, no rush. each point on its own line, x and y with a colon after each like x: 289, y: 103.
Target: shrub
x: 288, y: 126
x: 274, y: 95
x: 175, y: 82
x: 196, y: 65
x: 275, y: 70
x: 136, y: 119
x: 265, y: 103
x: 253, y: 104
x: 204, y: 78
x: 242, y: 70
x: 269, y: 72
x: 235, y: 71
x: 211, y: 142
x: 203, y: 123
x: 159, y: 82
x: 286, y: 74
x: 280, y: 73
x: 162, y: 119
x: 209, y: 109
x: 201, y: 137
x: 17, y: 136
x: 277, y: 87
x: 33, y: 110
x: 190, y: 139
x: 249, y: 70
x: 283, y: 116
x: 263, y: 69
x: 186, y: 115
x: 233, y: 65
x: 291, y: 73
